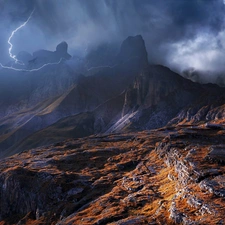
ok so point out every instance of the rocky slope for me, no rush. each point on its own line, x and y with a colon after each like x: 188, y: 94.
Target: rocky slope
x: 44, y: 97
x: 173, y: 175
x: 160, y: 96
x: 23, y: 90
x: 157, y: 97
x: 23, y: 96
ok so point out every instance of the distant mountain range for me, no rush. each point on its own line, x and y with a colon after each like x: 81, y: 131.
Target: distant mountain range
x: 127, y: 94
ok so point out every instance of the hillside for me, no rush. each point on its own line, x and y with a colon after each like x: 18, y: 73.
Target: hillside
x: 173, y: 175
x: 156, y: 98
x: 42, y: 98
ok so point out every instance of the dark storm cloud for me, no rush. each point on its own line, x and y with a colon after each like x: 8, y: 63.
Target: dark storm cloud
x: 178, y: 33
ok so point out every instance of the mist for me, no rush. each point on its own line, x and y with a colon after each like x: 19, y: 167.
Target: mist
x: 178, y: 34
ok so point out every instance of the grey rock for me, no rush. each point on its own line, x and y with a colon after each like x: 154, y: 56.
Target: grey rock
x: 175, y: 215
x: 217, y: 154
x: 194, y: 202
x: 75, y: 191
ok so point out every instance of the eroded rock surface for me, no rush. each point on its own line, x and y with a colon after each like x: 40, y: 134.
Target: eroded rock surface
x: 160, y: 177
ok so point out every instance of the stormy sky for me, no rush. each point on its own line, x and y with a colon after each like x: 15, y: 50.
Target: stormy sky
x: 181, y: 34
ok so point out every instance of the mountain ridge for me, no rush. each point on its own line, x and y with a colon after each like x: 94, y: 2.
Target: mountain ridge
x: 149, y: 96
x: 149, y: 111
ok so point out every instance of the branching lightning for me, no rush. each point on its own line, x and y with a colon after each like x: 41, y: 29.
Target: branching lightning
x: 14, y: 56
x: 101, y: 67
x: 31, y: 70
x: 111, y: 67
x: 11, y: 36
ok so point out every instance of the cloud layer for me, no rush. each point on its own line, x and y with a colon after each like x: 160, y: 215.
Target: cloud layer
x: 180, y: 34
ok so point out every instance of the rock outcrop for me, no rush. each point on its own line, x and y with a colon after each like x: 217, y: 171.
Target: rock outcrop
x: 134, y: 48
x: 164, y: 176
x: 61, y: 50
x: 45, y: 56
x: 161, y: 97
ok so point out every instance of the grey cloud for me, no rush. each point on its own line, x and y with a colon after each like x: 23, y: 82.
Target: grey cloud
x: 174, y: 30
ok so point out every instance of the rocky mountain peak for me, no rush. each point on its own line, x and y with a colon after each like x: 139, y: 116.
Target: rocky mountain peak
x: 46, y: 56
x: 134, y: 47
x: 62, y: 49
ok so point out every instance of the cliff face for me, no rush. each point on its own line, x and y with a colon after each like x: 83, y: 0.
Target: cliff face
x: 160, y: 97
x: 134, y: 48
x: 160, y: 177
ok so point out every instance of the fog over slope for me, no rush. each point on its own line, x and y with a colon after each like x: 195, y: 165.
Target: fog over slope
x: 184, y: 35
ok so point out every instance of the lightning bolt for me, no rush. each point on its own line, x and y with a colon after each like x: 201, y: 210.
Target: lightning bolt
x: 32, y: 70
x: 11, y: 36
x: 14, y: 56
x: 101, y: 67
x: 111, y: 67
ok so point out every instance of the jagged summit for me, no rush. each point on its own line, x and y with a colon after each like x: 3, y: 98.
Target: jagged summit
x: 134, y: 47
x: 130, y: 53
x: 45, y: 56
x: 62, y: 49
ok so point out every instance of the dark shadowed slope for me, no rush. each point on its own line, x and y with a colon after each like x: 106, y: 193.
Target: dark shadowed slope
x: 48, y: 96
x: 158, y: 97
